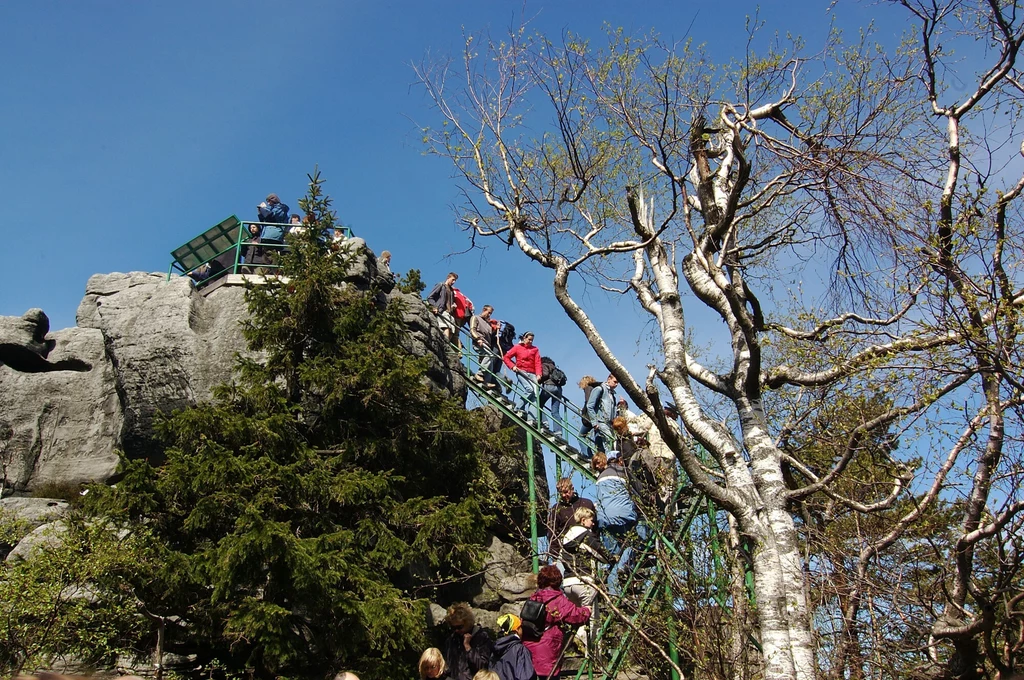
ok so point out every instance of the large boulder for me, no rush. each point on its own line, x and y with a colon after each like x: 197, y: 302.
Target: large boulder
x: 24, y: 346
x: 65, y: 425
x: 45, y: 536
x: 33, y: 512
x: 505, y: 577
x: 169, y: 344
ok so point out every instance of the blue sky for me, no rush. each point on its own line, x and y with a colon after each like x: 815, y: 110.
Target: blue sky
x: 126, y: 128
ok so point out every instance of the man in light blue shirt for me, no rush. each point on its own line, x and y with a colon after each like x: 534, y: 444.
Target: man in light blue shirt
x: 601, y: 410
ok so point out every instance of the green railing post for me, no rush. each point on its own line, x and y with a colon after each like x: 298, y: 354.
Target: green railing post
x: 533, y: 500
x: 673, y: 648
x: 242, y: 233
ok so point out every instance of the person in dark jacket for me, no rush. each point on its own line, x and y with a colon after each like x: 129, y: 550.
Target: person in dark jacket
x: 510, y: 660
x: 624, y: 443
x: 551, y: 393
x: 275, y: 212
x: 561, y: 611
x: 561, y: 515
x: 252, y: 252
x: 468, y: 648
x: 442, y: 299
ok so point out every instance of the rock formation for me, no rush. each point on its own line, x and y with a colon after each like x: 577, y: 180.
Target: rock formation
x: 151, y: 346
x: 24, y: 346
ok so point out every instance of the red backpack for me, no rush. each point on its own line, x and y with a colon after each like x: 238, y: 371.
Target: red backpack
x: 463, y: 305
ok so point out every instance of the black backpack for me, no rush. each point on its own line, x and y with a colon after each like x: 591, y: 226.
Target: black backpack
x: 506, y: 336
x: 558, y: 376
x: 534, y: 617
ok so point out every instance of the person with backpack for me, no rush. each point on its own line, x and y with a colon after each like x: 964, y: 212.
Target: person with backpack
x: 600, y: 410
x: 509, y: 658
x: 506, y: 337
x: 524, y: 360
x: 657, y: 455
x: 551, y: 381
x: 543, y: 616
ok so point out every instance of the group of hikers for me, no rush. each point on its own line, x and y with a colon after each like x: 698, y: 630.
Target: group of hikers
x: 265, y: 241
x: 607, y: 425
x: 533, y: 644
x: 539, y: 380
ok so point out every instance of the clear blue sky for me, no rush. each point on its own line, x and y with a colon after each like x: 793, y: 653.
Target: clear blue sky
x: 126, y: 128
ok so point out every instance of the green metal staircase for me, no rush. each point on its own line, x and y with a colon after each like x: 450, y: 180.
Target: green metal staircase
x: 652, y: 584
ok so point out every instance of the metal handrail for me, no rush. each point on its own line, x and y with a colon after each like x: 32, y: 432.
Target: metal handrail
x: 571, y: 421
x: 243, y: 241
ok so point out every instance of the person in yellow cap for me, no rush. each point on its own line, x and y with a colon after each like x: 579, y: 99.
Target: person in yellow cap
x: 510, y: 660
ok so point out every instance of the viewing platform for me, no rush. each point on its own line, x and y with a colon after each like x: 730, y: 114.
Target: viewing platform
x: 232, y: 253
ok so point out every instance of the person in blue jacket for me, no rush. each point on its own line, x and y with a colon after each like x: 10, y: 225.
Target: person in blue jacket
x: 600, y: 409
x: 275, y: 212
x: 510, y: 659
x: 616, y: 513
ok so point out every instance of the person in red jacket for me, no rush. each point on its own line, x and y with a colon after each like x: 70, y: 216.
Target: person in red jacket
x: 561, y: 611
x: 524, y: 360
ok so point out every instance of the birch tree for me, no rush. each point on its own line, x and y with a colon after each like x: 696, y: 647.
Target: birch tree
x: 891, y: 175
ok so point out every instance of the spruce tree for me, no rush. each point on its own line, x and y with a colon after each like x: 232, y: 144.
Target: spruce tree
x: 302, y: 513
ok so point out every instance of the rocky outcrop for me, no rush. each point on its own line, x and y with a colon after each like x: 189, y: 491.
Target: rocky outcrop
x: 152, y: 346
x: 32, y: 512
x: 65, y: 426
x: 169, y: 345
x: 504, y: 584
x: 24, y: 346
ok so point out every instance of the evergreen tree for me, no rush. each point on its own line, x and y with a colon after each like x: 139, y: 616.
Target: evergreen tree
x: 302, y: 512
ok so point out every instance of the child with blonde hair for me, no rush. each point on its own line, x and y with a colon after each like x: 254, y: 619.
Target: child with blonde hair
x: 432, y: 665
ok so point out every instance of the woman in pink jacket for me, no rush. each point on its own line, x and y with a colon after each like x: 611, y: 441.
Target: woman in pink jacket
x: 524, y: 360
x: 547, y: 651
